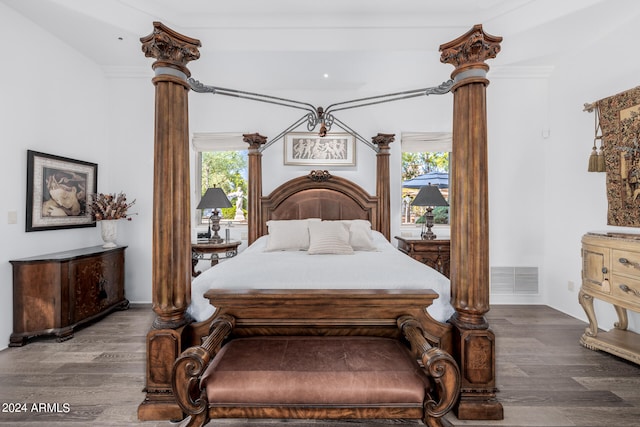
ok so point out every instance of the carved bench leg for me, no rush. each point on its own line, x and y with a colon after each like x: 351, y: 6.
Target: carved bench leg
x: 189, y: 367
x: 439, y: 366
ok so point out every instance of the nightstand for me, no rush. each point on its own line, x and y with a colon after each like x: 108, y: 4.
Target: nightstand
x: 229, y: 249
x: 434, y: 253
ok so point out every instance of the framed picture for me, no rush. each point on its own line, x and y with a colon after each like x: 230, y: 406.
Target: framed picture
x: 58, y: 189
x: 335, y: 149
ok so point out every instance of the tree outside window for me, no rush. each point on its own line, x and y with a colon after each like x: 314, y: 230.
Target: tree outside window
x: 226, y: 170
x: 415, y: 164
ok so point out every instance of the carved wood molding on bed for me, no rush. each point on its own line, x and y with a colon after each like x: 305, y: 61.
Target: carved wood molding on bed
x: 319, y: 175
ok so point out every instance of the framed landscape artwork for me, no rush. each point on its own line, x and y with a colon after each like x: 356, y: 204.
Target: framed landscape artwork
x: 58, y: 189
x: 334, y: 149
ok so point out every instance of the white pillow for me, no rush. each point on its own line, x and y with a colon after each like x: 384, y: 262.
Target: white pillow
x: 360, y: 234
x: 329, y: 237
x: 289, y: 235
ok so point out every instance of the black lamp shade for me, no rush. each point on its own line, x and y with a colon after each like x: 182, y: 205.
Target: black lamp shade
x: 429, y: 195
x: 214, y: 198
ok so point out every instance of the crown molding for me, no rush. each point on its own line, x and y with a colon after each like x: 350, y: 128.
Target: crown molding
x: 127, y: 72
x: 521, y: 72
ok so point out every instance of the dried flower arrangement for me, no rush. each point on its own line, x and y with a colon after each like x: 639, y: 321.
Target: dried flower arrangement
x: 109, y: 206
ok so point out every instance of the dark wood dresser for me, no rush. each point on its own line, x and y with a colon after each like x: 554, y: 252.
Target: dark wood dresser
x: 55, y: 293
x: 435, y: 253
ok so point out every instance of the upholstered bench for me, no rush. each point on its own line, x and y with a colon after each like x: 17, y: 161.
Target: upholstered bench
x: 252, y: 367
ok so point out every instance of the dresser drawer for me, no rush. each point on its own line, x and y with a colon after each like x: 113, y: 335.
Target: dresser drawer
x: 626, y: 263
x: 595, y: 268
x: 626, y: 291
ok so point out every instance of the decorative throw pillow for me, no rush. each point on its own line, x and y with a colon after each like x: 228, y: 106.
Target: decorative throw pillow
x: 360, y: 234
x: 329, y: 237
x: 289, y: 235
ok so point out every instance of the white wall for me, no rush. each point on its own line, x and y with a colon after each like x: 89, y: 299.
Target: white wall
x: 575, y: 200
x: 516, y: 120
x: 52, y: 101
x: 131, y: 115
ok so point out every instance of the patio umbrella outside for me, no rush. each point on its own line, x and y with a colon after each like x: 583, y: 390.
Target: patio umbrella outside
x: 439, y: 179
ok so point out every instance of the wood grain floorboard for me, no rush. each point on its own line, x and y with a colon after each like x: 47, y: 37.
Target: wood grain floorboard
x: 544, y: 376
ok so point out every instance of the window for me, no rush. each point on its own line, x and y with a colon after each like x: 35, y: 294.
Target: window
x: 425, y: 160
x: 221, y: 161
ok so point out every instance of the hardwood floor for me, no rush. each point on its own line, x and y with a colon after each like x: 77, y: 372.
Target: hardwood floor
x: 545, y: 377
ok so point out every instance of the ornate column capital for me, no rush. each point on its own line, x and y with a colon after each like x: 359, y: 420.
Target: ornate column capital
x: 383, y: 140
x: 255, y: 140
x: 470, y: 51
x: 170, y: 48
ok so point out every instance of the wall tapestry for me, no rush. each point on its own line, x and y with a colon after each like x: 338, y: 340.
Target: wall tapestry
x: 620, y: 123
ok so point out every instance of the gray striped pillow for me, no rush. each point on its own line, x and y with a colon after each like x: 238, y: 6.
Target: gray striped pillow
x: 329, y: 237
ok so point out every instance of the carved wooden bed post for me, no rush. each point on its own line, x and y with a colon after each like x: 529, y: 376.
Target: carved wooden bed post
x: 255, y: 141
x: 383, y: 189
x: 474, y: 342
x: 171, y: 215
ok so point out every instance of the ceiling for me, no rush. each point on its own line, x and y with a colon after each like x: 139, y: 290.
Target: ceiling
x: 333, y: 44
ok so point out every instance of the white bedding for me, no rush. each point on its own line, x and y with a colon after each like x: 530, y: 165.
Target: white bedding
x: 385, y: 268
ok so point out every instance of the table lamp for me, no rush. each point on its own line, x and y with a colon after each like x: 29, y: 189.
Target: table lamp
x: 429, y: 196
x: 214, y: 198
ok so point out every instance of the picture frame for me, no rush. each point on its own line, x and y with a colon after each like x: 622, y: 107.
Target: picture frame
x: 334, y: 149
x: 58, y: 191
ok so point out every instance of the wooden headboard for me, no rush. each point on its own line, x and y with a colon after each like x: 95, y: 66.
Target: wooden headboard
x: 319, y: 195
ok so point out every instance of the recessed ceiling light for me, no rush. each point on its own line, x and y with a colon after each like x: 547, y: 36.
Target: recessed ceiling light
x: 325, y: 75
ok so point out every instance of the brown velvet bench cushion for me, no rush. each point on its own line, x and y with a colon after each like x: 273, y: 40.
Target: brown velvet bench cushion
x: 298, y: 370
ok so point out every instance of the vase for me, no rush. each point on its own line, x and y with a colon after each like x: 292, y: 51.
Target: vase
x: 109, y: 232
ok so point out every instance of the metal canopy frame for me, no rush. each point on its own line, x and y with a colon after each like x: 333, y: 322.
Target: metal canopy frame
x: 319, y: 115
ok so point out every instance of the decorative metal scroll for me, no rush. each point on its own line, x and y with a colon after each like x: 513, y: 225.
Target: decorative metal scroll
x: 315, y: 116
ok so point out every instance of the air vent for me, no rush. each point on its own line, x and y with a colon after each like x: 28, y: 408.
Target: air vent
x: 514, y: 280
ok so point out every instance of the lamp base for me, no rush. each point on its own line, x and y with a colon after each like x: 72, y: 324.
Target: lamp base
x: 214, y: 219
x: 427, y: 234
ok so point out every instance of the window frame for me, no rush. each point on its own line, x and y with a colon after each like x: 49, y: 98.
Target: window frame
x: 211, y: 142
x: 423, y: 142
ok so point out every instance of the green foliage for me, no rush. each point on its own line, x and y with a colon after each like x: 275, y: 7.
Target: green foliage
x: 414, y: 164
x: 441, y: 215
x: 224, y: 169
x: 230, y: 213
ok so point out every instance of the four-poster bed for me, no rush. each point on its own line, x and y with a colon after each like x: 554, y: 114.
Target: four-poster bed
x: 467, y: 336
